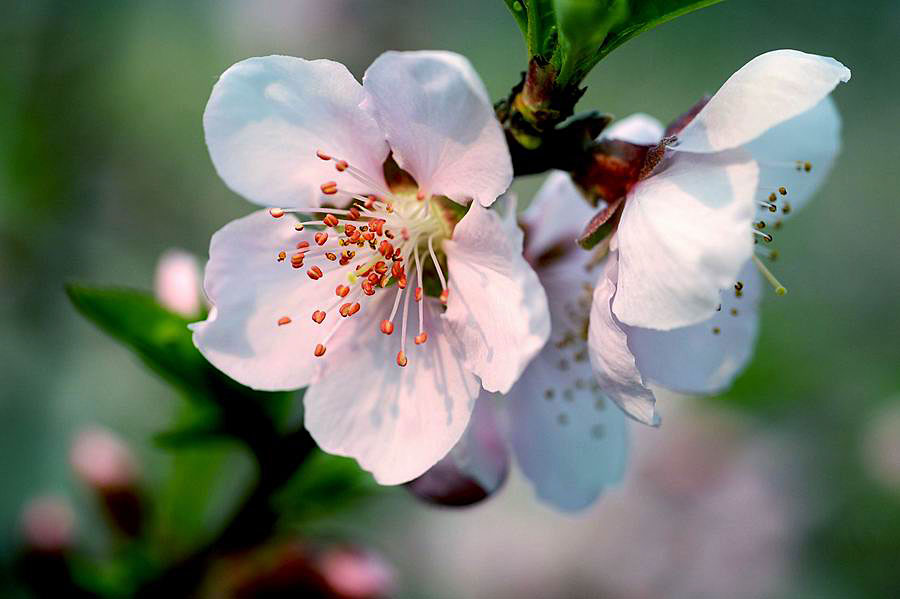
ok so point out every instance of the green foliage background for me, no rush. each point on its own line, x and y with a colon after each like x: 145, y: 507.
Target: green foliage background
x: 103, y: 167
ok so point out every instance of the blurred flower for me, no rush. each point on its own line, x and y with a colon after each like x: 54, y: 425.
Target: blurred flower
x: 411, y: 145
x: 177, y: 283
x: 704, y: 512
x: 107, y: 466
x: 48, y: 525
x: 299, y: 569
x: 881, y: 445
x: 677, y: 303
x: 357, y: 574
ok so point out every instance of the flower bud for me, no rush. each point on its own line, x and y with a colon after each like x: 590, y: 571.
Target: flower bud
x: 178, y: 284
x: 475, y: 469
x: 353, y: 573
x: 106, y: 465
x: 295, y: 568
x: 48, y: 525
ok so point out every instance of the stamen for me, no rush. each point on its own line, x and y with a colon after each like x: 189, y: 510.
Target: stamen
x: 284, y: 320
x: 318, y: 316
x: 276, y: 212
x: 437, y: 264
x: 319, y: 351
x: 387, y: 327
x: 329, y: 188
x: 768, y: 238
x: 422, y: 336
x: 779, y: 288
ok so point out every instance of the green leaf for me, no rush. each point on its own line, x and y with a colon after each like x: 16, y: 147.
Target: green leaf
x: 644, y: 15
x: 163, y: 342
x: 325, y: 484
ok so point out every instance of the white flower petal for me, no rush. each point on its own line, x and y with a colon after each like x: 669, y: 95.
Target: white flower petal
x: 613, y: 363
x: 684, y: 235
x: 813, y: 137
x: 251, y: 292
x: 570, y: 441
x: 497, y: 307
x: 267, y: 117
x: 440, y: 123
x: 396, y: 422
x: 768, y: 90
x: 556, y: 215
x: 638, y: 128
x: 705, y: 357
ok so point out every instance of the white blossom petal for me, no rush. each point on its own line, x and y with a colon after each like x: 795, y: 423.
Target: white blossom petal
x: 250, y: 292
x: 639, y: 128
x: 613, y: 363
x: 440, y: 124
x: 768, y: 90
x: 396, y: 422
x: 556, y: 215
x: 811, y: 139
x: 497, y: 307
x: 705, y: 357
x: 684, y: 235
x: 569, y: 440
x: 267, y: 117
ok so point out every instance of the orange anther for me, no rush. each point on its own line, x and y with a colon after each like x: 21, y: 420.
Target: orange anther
x: 349, y: 229
x: 298, y: 227
x: 341, y: 165
x: 314, y: 273
x: 284, y: 320
x: 368, y: 288
x: 397, y: 269
x: 282, y: 256
x: 401, y: 282
x: 302, y: 244
x: 329, y: 188
x: 322, y: 155
x: 318, y: 316
x: 354, y: 308
x: 444, y: 295
x: 418, y: 294
x: 387, y: 327
x: 331, y: 256
x: 345, y: 310
x: 401, y: 359
x: 421, y: 338
x: 321, y: 237
x: 381, y: 267
x: 330, y: 220
x: 319, y: 351
x: 342, y: 290
x: 276, y: 212
x: 354, y: 213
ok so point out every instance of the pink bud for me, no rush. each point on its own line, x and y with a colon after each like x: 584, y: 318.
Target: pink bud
x: 357, y: 574
x: 102, y: 460
x: 107, y: 466
x: 177, y: 283
x: 48, y: 525
x: 475, y: 469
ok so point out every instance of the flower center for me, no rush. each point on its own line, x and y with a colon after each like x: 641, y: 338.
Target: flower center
x: 388, y: 241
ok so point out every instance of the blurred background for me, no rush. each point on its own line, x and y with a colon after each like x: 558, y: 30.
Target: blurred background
x: 787, y: 486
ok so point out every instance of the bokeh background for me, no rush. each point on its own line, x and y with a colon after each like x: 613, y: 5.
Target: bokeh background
x: 787, y: 486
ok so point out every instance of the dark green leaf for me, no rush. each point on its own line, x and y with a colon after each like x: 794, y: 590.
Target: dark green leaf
x: 644, y: 15
x: 325, y: 483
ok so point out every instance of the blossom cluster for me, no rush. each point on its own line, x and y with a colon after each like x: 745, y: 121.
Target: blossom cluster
x: 439, y: 330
